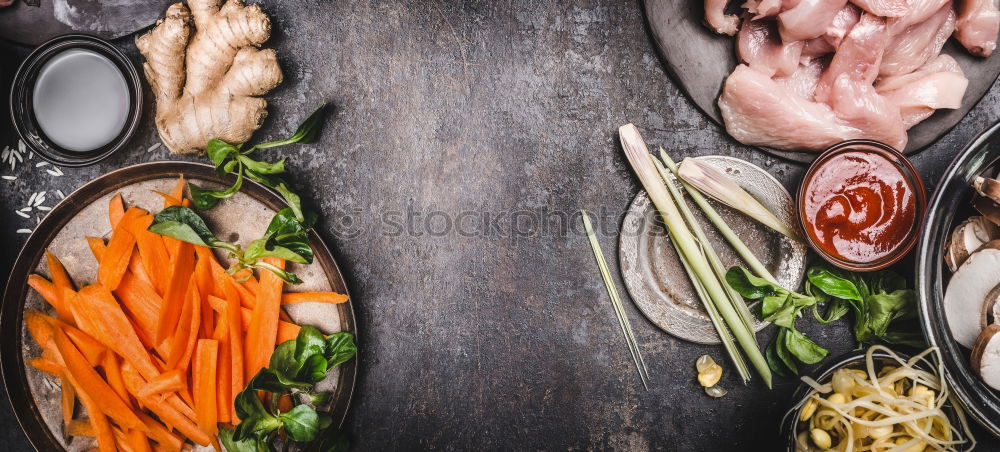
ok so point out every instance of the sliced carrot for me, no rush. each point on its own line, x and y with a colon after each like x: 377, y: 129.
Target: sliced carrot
x: 101, y: 316
x: 223, y: 378
x: 166, y: 412
x: 46, y: 365
x: 204, y: 375
x: 182, y: 335
x: 168, y: 199
x: 113, y: 374
x: 63, y: 284
x: 91, y: 348
x: 154, y: 254
x: 138, y: 441
x: 137, y: 268
x: 39, y: 328
x: 98, y: 421
x: 192, y: 338
x: 263, y: 331
x: 89, y: 383
x: 116, y: 209
x: 234, y: 316
x: 80, y: 428
x: 247, y: 299
x: 119, y: 252
x: 161, y: 434
x: 182, y: 266
x: 46, y: 289
x: 286, y: 331
x: 203, y: 277
x: 97, y: 247
x: 178, y: 191
x: 140, y: 301
x: 67, y: 400
x: 313, y: 297
x: 169, y: 381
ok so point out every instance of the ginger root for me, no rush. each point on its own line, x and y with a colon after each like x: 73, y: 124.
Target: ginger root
x: 205, y: 70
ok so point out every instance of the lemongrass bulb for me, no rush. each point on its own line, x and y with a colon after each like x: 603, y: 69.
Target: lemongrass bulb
x: 719, y: 186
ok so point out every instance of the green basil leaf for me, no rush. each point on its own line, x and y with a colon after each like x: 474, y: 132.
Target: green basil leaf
x: 340, y: 348
x: 272, y: 381
x: 286, y: 276
x: 834, y: 310
x: 774, y: 362
x: 307, y: 132
x: 219, y: 151
x: 263, y: 167
x: 226, y: 437
x: 301, y: 423
x: 319, y: 399
x: 833, y: 283
x: 313, y: 369
x: 881, y: 310
x: 185, y: 225
x: 248, y: 405
x: 310, y: 341
x: 804, y: 348
x: 283, y: 359
x: 206, y: 199
x: 771, y: 304
x: 784, y: 315
x: 750, y: 286
x: 782, y: 351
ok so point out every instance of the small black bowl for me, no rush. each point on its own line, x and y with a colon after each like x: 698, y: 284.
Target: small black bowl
x: 822, y: 375
x: 951, y: 203
x: 22, y: 91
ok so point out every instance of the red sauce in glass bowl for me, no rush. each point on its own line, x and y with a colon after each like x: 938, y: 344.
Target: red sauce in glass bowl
x: 859, y: 205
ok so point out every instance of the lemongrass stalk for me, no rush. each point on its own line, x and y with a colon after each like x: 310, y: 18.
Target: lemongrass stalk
x: 734, y: 240
x: 642, y: 163
x: 719, y: 186
x: 713, y: 314
x: 609, y: 284
x: 707, y: 248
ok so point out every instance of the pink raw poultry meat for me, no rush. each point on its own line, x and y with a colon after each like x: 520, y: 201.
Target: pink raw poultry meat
x: 718, y: 20
x: 759, y: 111
x: 977, y: 26
x: 859, y: 55
x: 918, y: 43
x: 808, y: 19
x: 884, y: 8
x: 839, y: 27
x: 920, y: 10
x: 759, y: 46
x: 860, y: 106
x: 803, y: 81
x: 938, y: 84
x: 762, y: 8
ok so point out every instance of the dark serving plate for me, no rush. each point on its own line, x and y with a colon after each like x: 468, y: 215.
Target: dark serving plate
x: 76, y: 214
x: 949, y: 204
x: 699, y: 60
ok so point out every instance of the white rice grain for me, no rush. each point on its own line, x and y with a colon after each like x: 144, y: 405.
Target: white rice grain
x: 24, y: 231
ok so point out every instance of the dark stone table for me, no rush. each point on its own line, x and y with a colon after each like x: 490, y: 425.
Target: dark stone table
x: 466, y: 136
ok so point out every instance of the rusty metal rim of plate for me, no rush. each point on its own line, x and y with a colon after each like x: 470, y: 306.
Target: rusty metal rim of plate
x: 11, y: 316
x: 645, y: 294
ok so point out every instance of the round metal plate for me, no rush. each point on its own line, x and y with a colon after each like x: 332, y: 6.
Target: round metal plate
x: 653, y: 273
x: 34, y: 395
x: 33, y: 22
x: 699, y: 60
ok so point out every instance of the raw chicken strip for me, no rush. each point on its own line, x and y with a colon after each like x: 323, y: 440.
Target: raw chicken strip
x: 860, y: 106
x: 803, y: 81
x: 759, y: 111
x: 939, y: 84
x: 759, y: 46
x: 841, y: 25
x: 977, y: 26
x: 762, y: 8
x: 859, y: 55
x: 808, y: 19
x: 920, y: 10
x: 884, y: 8
x: 815, y: 48
x: 918, y: 44
x: 718, y: 20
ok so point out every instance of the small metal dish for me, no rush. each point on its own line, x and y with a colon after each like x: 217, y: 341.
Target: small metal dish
x: 21, y: 93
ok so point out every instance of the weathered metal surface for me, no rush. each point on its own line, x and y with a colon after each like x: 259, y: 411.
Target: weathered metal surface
x: 492, y: 338
x: 655, y: 277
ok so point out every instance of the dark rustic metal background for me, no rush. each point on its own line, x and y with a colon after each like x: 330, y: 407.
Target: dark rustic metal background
x: 490, y: 341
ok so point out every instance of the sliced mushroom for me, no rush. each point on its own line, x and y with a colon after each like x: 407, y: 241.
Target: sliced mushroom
x: 991, y: 307
x: 968, y: 290
x: 987, y: 187
x: 986, y: 356
x: 988, y: 208
x: 967, y: 238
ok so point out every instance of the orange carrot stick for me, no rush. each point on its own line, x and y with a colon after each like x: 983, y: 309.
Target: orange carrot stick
x: 62, y: 283
x: 116, y: 209
x: 234, y: 316
x: 192, y: 338
x: 137, y: 268
x: 161, y: 434
x: 119, y: 252
x: 113, y: 374
x: 286, y: 331
x: 39, y: 328
x: 166, y: 412
x: 67, y: 400
x: 91, y: 348
x: 97, y: 247
x: 98, y: 421
x: 204, y: 375
x: 46, y: 365
x: 89, y: 383
x: 132, y: 440
x: 154, y: 254
x: 223, y: 378
x: 263, y: 330
x: 313, y: 297
x: 80, y: 428
x: 169, y: 381
x: 178, y: 191
x: 140, y: 301
x: 46, y: 289
x: 182, y: 266
x: 101, y: 316
x: 203, y: 277
x: 181, y: 337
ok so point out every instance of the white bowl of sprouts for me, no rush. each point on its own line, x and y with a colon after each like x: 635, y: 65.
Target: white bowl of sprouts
x: 878, y: 401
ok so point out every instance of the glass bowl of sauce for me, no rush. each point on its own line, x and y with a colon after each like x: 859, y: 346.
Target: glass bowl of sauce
x: 76, y: 99
x: 861, y: 204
